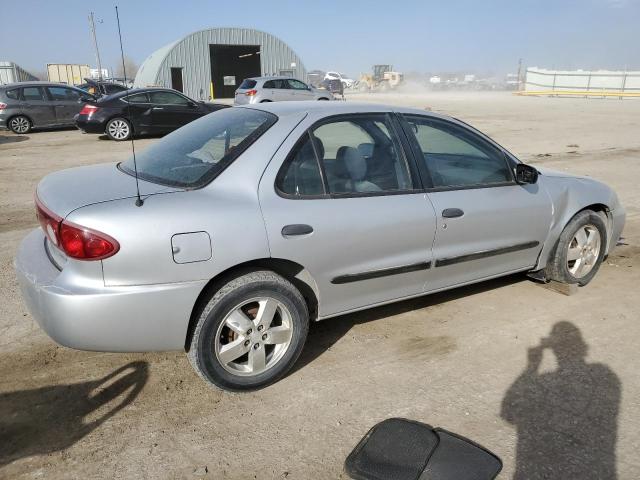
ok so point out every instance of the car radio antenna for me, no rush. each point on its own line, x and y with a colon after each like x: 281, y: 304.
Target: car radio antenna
x: 139, y: 201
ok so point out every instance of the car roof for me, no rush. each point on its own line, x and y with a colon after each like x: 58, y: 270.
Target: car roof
x: 325, y: 109
x: 274, y: 77
x: 36, y: 83
x: 133, y: 91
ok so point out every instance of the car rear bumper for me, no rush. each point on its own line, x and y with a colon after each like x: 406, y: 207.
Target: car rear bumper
x: 88, y: 124
x: 90, y: 316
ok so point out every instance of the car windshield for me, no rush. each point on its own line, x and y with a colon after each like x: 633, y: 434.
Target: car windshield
x: 195, y: 154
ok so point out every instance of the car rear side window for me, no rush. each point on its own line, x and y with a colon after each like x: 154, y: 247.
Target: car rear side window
x: 456, y: 157
x: 137, y: 98
x: 195, y: 154
x: 248, y: 84
x: 168, y: 98
x: 13, y: 94
x: 31, y: 94
x: 300, y: 175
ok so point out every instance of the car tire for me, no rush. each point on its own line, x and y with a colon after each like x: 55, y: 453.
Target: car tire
x: 579, y: 251
x: 118, y: 129
x: 20, y: 124
x: 250, y: 332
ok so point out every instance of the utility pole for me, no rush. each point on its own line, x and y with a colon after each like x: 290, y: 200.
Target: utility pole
x: 92, y: 27
x: 520, y: 82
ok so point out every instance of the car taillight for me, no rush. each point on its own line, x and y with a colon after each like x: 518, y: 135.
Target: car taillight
x: 251, y: 93
x: 3, y: 106
x: 88, y: 109
x: 85, y: 244
x: 76, y: 241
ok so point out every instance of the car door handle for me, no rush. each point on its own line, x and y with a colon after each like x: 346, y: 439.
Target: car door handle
x: 452, y: 213
x: 158, y: 108
x: 296, y: 229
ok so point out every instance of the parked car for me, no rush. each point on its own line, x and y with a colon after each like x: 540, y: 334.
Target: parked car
x: 257, y: 220
x: 346, y: 81
x: 276, y: 89
x: 141, y: 111
x: 100, y: 89
x: 28, y: 105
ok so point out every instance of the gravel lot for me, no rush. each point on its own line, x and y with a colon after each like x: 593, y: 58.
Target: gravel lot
x: 456, y: 360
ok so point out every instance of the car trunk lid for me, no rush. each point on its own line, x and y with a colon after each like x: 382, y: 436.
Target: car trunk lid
x: 67, y: 190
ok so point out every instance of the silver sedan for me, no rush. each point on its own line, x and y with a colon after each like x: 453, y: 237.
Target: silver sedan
x: 254, y: 221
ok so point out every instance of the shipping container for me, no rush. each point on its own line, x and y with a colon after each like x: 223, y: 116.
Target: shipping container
x: 69, y: 73
x: 11, y: 73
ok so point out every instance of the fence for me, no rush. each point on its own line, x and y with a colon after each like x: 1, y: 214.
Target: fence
x: 599, y: 83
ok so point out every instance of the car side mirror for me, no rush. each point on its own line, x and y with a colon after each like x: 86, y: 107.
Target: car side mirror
x: 526, y: 174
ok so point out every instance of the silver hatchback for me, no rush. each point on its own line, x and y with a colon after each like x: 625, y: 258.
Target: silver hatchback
x: 277, y: 89
x: 28, y: 105
x: 254, y: 221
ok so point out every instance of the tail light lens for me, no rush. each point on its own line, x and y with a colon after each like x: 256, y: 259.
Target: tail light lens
x: 251, y: 93
x: 3, y: 106
x: 76, y: 241
x: 88, y: 109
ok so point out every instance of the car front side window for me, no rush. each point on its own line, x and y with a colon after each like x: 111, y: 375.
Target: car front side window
x: 456, y: 157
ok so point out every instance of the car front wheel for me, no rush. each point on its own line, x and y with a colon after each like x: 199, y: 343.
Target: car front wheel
x: 20, y: 124
x: 580, y: 249
x: 250, y: 333
x: 118, y: 129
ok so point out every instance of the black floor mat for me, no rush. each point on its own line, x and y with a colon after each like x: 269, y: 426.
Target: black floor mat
x: 399, y: 449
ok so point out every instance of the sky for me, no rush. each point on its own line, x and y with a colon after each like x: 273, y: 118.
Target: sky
x: 483, y: 37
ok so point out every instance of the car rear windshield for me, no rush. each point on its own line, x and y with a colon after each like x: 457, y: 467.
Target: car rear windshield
x: 195, y: 154
x: 247, y: 84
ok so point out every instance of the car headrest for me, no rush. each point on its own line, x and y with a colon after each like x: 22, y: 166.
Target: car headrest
x: 355, y: 163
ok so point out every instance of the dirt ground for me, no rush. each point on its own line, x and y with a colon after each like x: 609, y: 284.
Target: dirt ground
x: 458, y: 360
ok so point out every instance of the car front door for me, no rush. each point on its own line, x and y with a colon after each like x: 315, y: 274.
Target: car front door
x: 37, y: 107
x: 65, y: 102
x: 299, y: 90
x: 342, y: 199
x: 487, y: 224
x: 171, y: 111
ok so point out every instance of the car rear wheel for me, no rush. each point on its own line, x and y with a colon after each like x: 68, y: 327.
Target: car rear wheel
x: 118, y: 129
x: 580, y: 249
x: 250, y: 333
x: 20, y: 124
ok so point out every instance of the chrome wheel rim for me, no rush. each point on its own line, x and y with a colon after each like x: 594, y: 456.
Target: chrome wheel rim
x: 20, y: 125
x: 119, y: 129
x: 584, y: 250
x: 254, y: 336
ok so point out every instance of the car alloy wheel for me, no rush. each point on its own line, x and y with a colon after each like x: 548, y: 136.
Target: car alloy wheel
x: 20, y: 124
x: 254, y: 336
x: 584, y: 251
x: 118, y: 129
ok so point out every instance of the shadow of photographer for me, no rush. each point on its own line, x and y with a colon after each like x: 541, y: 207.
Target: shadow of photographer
x: 49, y: 419
x: 566, y: 419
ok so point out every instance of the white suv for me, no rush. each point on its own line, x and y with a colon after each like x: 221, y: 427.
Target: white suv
x: 346, y: 81
x: 277, y: 89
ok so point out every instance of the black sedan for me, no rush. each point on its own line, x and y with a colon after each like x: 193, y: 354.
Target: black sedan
x: 141, y: 111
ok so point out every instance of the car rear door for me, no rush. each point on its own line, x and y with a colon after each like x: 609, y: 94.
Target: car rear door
x: 487, y: 224
x: 171, y: 110
x: 65, y: 102
x: 344, y: 201
x: 35, y: 104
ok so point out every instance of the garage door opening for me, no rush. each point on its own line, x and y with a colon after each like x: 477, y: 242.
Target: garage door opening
x: 176, y: 78
x: 230, y: 65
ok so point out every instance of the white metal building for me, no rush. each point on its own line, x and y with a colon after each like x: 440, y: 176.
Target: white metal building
x: 212, y: 63
x: 11, y: 73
